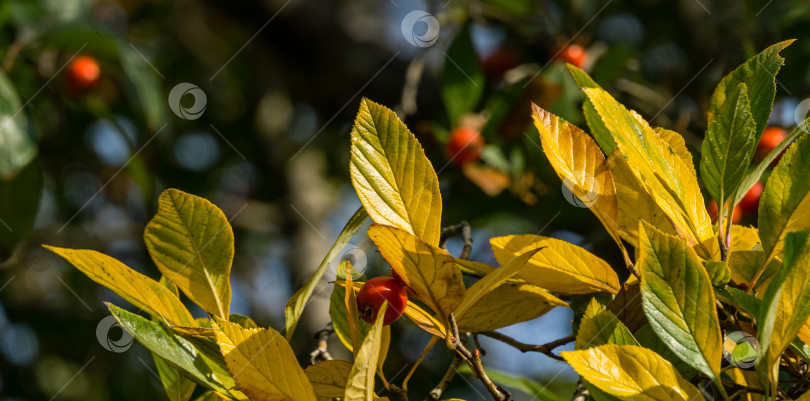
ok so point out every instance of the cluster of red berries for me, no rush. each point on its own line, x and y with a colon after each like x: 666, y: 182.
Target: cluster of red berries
x: 771, y: 138
x: 379, y: 290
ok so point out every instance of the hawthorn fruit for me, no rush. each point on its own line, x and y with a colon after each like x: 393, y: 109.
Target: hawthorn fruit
x: 378, y: 290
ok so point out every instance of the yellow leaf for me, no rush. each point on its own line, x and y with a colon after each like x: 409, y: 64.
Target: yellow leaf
x: 785, y: 306
x: 329, y: 378
x: 562, y: 266
x: 634, y: 202
x: 600, y: 327
x: 392, y: 176
x: 262, y: 363
x: 492, y: 280
x: 360, y: 386
x: 350, y: 301
x: 744, y: 239
x: 660, y: 169
x: 430, y: 272
x: 508, y: 304
x: 191, y: 242
x: 746, y: 378
x: 425, y: 320
x: 581, y: 165
x: 677, y: 145
x: 632, y: 372
x: 137, y: 289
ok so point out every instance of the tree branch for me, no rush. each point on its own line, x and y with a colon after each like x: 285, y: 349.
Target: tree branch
x: 437, y: 391
x: 473, y: 359
x: 582, y: 393
x: 466, y: 234
x: 544, y: 349
x: 322, y: 353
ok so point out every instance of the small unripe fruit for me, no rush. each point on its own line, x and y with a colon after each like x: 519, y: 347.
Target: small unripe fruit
x: 375, y: 292
x: 83, y: 72
x: 465, y: 146
x: 573, y: 54
x: 750, y: 202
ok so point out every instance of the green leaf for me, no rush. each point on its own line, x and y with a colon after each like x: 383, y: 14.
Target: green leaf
x: 137, y: 289
x: 178, y: 352
x: 599, y: 131
x: 678, y: 300
x: 600, y: 327
x: 191, y: 242
x: 295, y: 306
x: 759, y: 76
x: 360, y: 385
x: 17, y: 148
x: 19, y: 204
x: 719, y: 272
x: 145, y: 89
x: 528, y: 386
x: 177, y: 386
x: 785, y: 305
x: 785, y: 202
x: 740, y: 300
x: 340, y: 317
x: 728, y: 146
x: 392, y: 176
x: 462, y: 79
x: 262, y: 363
x: 632, y: 373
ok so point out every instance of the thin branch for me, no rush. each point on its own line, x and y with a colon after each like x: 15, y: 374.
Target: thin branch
x: 466, y: 233
x: 545, y: 349
x: 582, y: 393
x: 437, y: 391
x: 322, y: 353
x: 743, y: 387
x: 474, y: 360
x: 407, y: 103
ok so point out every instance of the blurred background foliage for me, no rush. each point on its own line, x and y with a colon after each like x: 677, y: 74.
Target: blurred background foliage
x: 283, y: 80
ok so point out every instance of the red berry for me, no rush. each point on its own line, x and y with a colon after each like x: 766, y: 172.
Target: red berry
x: 573, y: 54
x: 378, y: 290
x: 738, y: 212
x: 771, y: 138
x: 465, y: 146
x: 83, y: 72
x: 750, y: 202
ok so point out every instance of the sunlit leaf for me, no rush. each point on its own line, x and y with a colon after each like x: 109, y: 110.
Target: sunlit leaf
x: 178, y: 352
x: 785, y: 202
x: 262, y: 363
x: 508, y: 304
x: 177, y: 386
x: 429, y: 272
x: 340, y: 318
x: 678, y: 300
x: 728, y: 146
x: 329, y: 378
x: 137, y: 289
x: 581, y: 165
x: 191, y: 242
x: 785, y: 306
x: 425, y: 320
x: 360, y: 385
x: 632, y: 372
x: 295, y: 306
x: 600, y: 327
x: 392, y: 176
x: 561, y: 266
x: 678, y: 145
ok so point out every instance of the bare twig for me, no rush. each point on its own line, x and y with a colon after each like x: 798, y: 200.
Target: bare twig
x: 407, y: 104
x: 545, y: 349
x: 474, y: 360
x: 322, y: 353
x: 466, y: 234
x: 582, y: 393
x: 437, y: 391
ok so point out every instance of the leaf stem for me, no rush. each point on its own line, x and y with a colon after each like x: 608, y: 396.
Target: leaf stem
x: 545, y: 349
